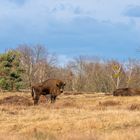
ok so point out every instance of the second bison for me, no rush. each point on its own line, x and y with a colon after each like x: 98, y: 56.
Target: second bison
x: 126, y: 92
x: 50, y: 87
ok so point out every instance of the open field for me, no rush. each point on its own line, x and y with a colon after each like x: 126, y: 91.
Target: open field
x: 72, y: 117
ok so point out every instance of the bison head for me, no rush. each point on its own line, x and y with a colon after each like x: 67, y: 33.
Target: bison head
x: 115, y: 93
x: 61, y: 86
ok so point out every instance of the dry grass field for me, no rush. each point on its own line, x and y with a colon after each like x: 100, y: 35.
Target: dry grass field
x: 72, y: 117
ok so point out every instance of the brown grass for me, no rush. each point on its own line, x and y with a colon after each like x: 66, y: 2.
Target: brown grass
x: 15, y: 100
x: 72, y: 117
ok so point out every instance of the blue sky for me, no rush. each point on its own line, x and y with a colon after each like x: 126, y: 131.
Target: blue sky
x: 103, y: 28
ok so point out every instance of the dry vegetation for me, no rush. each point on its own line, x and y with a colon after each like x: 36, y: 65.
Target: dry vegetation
x: 72, y: 117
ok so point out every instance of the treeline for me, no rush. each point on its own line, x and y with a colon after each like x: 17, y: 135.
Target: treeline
x: 25, y: 65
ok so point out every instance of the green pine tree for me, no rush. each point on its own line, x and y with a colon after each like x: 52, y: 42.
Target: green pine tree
x: 10, y: 71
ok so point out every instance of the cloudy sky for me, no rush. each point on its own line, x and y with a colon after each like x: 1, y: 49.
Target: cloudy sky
x: 69, y: 28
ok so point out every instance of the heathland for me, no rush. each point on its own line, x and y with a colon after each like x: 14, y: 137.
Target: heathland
x: 74, y: 116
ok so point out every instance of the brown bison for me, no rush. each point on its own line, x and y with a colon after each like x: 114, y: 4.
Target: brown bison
x: 126, y: 92
x: 49, y: 88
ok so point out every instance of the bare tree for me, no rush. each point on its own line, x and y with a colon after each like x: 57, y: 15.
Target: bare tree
x: 88, y: 75
x: 37, y: 63
x: 132, y: 73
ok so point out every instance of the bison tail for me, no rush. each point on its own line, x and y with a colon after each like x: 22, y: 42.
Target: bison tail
x: 33, y: 92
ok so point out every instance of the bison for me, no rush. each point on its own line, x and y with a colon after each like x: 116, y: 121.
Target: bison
x: 126, y: 92
x: 49, y: 88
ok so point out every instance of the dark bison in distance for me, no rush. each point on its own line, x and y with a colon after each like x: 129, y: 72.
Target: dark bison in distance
x: 126, y: 92
x: 50, y: 87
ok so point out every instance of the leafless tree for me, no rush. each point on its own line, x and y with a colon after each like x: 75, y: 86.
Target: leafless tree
x: 37, y: 63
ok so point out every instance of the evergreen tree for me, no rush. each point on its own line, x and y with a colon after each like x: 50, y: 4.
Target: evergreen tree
x: 10, y: 71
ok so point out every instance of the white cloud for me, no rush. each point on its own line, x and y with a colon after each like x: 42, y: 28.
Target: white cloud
x: 79, y: 24
x: 43, y: 10
x: 39, y: 14
x: 63, y: 59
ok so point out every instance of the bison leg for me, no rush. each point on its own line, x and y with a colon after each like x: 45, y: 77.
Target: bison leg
x: 48, y: 97
x: 36, y: 99
x: 53, y: 98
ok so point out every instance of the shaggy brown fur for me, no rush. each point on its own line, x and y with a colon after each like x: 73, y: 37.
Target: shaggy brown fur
x: 126, y: 92
x: 50, y: 87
